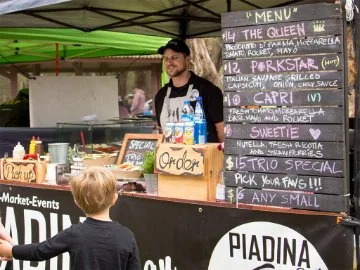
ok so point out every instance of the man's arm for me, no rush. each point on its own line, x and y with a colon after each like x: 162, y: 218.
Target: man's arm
x: 220, y: 131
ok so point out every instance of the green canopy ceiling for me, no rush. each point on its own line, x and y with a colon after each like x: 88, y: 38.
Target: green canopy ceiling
x: 19, y: 45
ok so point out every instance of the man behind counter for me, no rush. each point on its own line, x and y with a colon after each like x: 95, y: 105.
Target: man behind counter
x: 185, y: 85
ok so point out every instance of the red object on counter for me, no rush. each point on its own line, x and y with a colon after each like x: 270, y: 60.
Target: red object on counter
x: 30, y: 157
x: 83, y: 140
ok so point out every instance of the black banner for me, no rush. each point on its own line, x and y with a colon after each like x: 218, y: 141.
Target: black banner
x: 188, y: 236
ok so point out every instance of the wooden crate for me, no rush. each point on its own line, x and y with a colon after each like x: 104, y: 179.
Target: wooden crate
x: 198, y: 184
x: 28, y: 171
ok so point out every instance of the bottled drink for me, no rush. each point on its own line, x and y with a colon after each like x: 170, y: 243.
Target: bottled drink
x: 169, y: 132
x: 179, y: 132
x: 199, y: 111
x: 200, y: 136
x: 189, y: 133
x: 187, y: 112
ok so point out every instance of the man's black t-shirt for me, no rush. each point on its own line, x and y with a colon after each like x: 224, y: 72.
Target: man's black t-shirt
x: 93, y: 245
x: 212, y: 99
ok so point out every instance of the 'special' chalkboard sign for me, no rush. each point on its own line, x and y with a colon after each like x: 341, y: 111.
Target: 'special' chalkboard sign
x: 135, y: 145
x: 285, y: 107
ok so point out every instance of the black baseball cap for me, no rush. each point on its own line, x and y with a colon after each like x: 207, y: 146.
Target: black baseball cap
x: 177, y: 45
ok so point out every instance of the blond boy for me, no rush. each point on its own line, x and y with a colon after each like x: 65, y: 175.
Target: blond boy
x: 98, y: 242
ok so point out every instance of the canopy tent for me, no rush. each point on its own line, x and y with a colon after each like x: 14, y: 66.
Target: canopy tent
x: 170, y: 18
x: 19, y: 45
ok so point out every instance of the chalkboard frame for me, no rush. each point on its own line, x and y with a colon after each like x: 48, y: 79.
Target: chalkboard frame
x: 135, y: 136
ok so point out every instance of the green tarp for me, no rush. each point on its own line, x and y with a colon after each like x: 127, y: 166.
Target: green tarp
x: 19, y: 45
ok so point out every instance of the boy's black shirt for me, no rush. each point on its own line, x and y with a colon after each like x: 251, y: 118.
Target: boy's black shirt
x: 92, y: 245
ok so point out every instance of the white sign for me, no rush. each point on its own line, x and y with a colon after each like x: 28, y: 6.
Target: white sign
x: 265, y: 245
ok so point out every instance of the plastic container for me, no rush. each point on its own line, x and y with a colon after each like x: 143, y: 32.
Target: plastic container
x: 187, y: 112
x: 58, y: 152
x: 32, y: 145
x: 39, y: 149
x: 199, y: 110
x: 200, y: 133
x: 19, y: 151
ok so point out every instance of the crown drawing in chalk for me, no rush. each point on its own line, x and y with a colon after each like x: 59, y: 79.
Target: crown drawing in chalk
x: 319, y: 26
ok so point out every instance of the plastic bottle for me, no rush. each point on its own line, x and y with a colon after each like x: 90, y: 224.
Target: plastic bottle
x: 39, y: 149
x: 199, y: 110
x: 19, y: 151
x: 32, y: 145
x: 187, y: 112
x: 200, y: 134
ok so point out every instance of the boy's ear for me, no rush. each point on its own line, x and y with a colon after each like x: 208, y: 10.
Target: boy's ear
x: 114, y: 199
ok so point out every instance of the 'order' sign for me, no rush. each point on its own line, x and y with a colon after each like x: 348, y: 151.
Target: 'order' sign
x: 180, y: 160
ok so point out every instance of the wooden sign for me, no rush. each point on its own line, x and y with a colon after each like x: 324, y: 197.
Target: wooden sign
x: 135, y: 145
x: 285, y: 82
x: 319, y: 202
x: 180, y: 159
x: 288, y: 132
x: 23, y: 170
x: 284, y: 98
x: 291, y: 33
x: 303, y: 183
x: 295, y: 166
x: 285, y: 105
x: 301, y: 115
x: 283, y: 64
x: 301, y: 149
x: 283, y: 14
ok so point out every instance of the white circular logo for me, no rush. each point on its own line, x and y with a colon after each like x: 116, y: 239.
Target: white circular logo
x: 265, y: 245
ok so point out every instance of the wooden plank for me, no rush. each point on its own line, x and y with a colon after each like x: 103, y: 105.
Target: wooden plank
x: 285, y: 31
x: 284, y: 64
x: 301, y: 80
x: 333, y: 168
x: 290, y: 132
x: 331, y: 150
x: 283, y: 14
x: 318, y: 202
x: 285, y: 98
x: 301, y: 115
x: 315, y: 184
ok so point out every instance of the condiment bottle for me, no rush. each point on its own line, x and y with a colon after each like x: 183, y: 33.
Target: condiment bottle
x: 32, y: 145
x: 39, y: 149
x: 19, y: 151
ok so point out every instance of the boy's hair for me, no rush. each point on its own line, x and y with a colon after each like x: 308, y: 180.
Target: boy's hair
x: 93, y: 190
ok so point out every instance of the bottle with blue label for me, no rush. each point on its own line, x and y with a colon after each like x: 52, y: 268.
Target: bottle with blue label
x: 187, y: 112
x: 200, y: 134
x: 199, y: 111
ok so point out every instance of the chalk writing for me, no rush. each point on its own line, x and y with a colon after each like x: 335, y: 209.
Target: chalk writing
x: 297, y: 132
x: 286, y: 31
x: 329, y: 79
x: 320, y: 202
x: 283, y: 64
x: 284, y: 98
x: 284, y: 115
x: 332, y: 150
x: 289, y: 165
x: 317, y: 184
x: 319, y: 11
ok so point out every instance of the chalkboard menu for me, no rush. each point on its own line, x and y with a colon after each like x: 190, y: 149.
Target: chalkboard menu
x: 135, y: 145
x: 285, y: 108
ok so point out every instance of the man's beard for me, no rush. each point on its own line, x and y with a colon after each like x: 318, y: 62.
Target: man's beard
x: 177, y: 72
